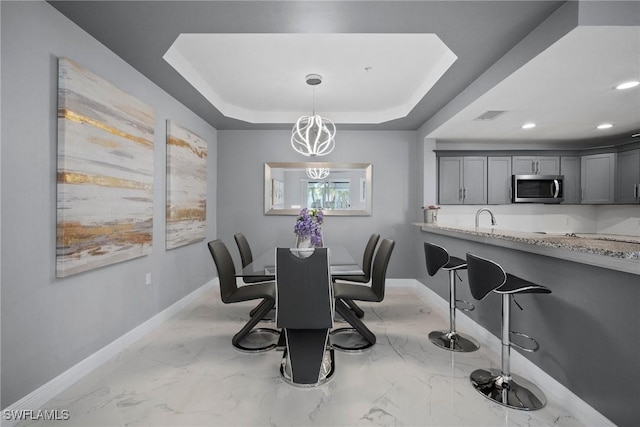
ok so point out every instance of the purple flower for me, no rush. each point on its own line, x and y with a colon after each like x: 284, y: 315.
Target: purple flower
x: 309, y: 223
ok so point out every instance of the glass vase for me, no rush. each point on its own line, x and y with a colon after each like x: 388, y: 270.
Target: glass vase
x: 303, y: 241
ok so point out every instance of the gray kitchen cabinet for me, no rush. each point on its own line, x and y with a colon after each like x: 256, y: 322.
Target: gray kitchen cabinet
x: 536, y: 165
x: 628, y: 177
x: 499, y: 180
x: 597, y: 178
x: 570, y: 169
x: 462, y: 180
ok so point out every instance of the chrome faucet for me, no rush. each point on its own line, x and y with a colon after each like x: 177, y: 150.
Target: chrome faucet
x: 493, y: 218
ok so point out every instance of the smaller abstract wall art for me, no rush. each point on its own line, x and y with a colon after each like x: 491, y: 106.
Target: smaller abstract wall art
x: 105, y: 173
x: 186, y: 186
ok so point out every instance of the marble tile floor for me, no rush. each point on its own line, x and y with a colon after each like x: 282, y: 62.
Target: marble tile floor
x: 186, y: 373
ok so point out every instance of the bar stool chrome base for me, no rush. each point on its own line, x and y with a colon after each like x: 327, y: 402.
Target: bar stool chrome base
x: 252, y: 338
x: 349, y: 340
x: 516, y: 393
x: 454, y: 341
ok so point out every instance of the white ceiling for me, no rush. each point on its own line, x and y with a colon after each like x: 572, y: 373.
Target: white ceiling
x: 436, y: 65
x: 567, y: 90
x: 260, y: 78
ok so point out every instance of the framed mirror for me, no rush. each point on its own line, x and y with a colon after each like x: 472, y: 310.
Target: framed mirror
x: 336, y: 188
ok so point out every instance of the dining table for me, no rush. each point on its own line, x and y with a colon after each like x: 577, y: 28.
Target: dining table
x: 341, y: 264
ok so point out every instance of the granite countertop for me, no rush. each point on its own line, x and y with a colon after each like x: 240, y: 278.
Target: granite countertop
x: 615, y: 246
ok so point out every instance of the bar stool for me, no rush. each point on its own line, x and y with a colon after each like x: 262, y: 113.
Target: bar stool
x: 502, y: 386
x: 437, y: 258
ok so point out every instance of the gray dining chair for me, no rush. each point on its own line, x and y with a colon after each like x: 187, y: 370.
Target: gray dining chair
x: 230, y: 293
x: 373, y: 293
x: 246, y: 258
x: 304, y: 311
x: 367, y: 261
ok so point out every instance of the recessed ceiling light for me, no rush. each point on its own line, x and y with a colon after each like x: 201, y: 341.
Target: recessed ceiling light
x: 628, y: 85
x: 605, y: 126
x: 528, y: 125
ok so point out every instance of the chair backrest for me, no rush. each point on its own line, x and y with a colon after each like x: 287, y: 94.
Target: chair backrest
x: 367, y: 258
x: 245, y: 250
x: 484, y: 276
x: 226, y: 269
x: 380, y: 264
x: 304, y: 293
x: 435, y: 257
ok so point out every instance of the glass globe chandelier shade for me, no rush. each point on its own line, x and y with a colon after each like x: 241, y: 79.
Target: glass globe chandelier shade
x: 317, y: 173
x: 313, y: 136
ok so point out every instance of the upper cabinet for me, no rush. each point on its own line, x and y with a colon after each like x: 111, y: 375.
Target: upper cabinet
x: 570, y: 169
x: 628, y: 177
x: 536, y: 165
x: 499, y: 180
x: 597, y: 178
x: 462, y: 180
x: 603, y: 178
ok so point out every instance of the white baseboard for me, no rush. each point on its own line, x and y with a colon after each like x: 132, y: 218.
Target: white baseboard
x: 37, y: 398
x: 554, y: 391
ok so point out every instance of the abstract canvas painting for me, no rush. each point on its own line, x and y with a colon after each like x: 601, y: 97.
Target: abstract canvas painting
x: 186, y: 186
x: 105, y: 172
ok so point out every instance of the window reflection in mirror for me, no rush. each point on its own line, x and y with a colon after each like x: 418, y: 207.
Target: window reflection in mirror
x: 346, y: 190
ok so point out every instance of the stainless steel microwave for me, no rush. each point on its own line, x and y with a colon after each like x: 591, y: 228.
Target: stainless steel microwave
x: 537, y: 188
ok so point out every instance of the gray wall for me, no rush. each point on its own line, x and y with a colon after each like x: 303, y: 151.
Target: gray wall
x: 49, y: 324
x: 242, y: 154
x: 587, y: 327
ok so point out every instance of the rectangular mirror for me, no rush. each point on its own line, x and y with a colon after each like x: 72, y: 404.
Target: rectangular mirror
x: 289, y: 187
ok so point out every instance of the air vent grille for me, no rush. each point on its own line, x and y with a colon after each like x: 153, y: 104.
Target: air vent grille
x: 489, y: 115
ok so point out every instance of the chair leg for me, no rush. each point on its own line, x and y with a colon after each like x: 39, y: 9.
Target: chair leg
x: 451, y: 339
x: 263, y: 308
x: 306, y: 361
x: 265, y: 318
x: 502, y: 386
x: 357, y: 326
x: 355, y: 307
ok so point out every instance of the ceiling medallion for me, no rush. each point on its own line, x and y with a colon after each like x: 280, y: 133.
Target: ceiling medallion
x: 313, y: 135
x: 317, y: 173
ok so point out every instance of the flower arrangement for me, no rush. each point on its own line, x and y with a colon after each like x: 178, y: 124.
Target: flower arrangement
x: 309, y: 225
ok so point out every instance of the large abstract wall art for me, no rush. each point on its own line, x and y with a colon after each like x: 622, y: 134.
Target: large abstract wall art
x: 105, y: 173
x: 186, y: 186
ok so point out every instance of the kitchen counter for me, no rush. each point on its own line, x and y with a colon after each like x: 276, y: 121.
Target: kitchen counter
x: 620, y: 253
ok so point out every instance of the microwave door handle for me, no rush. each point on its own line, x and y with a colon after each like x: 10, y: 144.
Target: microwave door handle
x: 556, y: 184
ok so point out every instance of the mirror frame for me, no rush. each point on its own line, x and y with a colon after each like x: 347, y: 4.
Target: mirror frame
x: 366, y: 167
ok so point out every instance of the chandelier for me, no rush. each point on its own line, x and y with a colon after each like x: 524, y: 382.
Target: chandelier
x: 317, y: 173
x: 313, y: 135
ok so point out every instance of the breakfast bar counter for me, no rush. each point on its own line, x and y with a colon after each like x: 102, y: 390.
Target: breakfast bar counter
x: 615, y: 252
x: 586, y: 328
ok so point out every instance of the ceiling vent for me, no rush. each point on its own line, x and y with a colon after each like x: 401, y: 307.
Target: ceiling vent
x: 489, y: 115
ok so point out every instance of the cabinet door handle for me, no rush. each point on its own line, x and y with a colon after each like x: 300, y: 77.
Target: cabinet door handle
x: 635, y: 191
x: 533, y: 166
x: 459, y: 193
x: 581, y: 194
x: 464, y: 193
